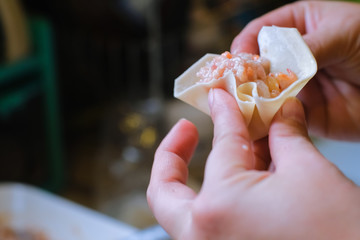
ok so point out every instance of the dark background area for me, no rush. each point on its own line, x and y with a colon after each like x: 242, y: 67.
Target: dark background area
x: 111, y: 55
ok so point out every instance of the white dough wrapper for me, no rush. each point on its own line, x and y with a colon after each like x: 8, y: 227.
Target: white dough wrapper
x: 285, y: 49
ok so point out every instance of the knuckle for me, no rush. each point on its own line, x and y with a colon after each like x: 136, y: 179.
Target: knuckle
x: 232, y: 137
x: 207, y: 216
x: 150, y: 196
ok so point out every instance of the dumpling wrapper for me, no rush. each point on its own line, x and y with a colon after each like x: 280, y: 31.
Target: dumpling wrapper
x: 285, y: 49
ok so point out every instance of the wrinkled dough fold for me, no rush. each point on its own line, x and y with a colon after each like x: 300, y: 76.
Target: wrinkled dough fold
x: 285, y: 49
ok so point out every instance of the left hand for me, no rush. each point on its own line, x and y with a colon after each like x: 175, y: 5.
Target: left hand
x: 332, y: 97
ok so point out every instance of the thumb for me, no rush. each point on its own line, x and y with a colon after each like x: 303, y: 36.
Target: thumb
x: 290, y: 145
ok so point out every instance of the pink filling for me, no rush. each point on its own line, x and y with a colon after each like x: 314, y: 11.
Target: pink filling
x: 247, y: 68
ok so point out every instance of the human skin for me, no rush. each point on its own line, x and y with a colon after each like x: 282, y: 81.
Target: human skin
x: 303, y: 197
x: 332, y: 31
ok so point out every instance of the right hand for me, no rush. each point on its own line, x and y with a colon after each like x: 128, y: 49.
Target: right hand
x: 332, y: 31
x: 304, y: 196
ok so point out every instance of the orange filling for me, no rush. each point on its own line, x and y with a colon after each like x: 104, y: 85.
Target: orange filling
x: 248, y: 68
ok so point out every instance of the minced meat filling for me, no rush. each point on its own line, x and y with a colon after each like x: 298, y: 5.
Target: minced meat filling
x: 248, y: 68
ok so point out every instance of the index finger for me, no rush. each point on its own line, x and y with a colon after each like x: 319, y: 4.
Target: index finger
x: 291, y: 15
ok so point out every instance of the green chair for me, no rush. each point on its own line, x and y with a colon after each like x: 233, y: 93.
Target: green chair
x: 23, y: 79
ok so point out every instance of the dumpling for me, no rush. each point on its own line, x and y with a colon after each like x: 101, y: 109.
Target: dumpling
x: 246, y: 67
x: 260, y: 84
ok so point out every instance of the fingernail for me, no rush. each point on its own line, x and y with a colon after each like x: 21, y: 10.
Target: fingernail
x: 182, y: 120
x: 211, y: 98
x: 292, y: 109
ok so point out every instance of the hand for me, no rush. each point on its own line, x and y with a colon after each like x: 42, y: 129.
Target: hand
x: 332, y: 31
x: 305, y: 197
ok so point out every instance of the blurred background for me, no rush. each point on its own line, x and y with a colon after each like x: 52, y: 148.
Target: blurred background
x: 86, y: 91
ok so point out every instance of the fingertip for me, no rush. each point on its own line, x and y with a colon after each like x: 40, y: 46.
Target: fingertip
x: 293, y: 109
x: 185, y: 126
x: 222, y: 103
x: 183, y: 121
x: 181, y: 140
x: 226, y: 114
x: 289, y: 142
x: 246, y: 41
x: 290, y: 119
x: 182, y: 127
x: 211, y: 99
x: 289, y: 15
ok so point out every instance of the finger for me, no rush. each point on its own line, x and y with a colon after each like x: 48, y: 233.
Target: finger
x: 317, y: 95
x: 231, y: 151
x: 291, y: 15
x: 310, y: 19
x: 290, y: 145
x: 324, y: 39
x: 167, y: 194
x: 324, y: 44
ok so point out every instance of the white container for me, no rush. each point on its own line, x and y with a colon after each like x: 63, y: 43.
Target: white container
x: 25, y: 207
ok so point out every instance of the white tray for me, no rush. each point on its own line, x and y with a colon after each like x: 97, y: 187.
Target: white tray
x: 25, y: 207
